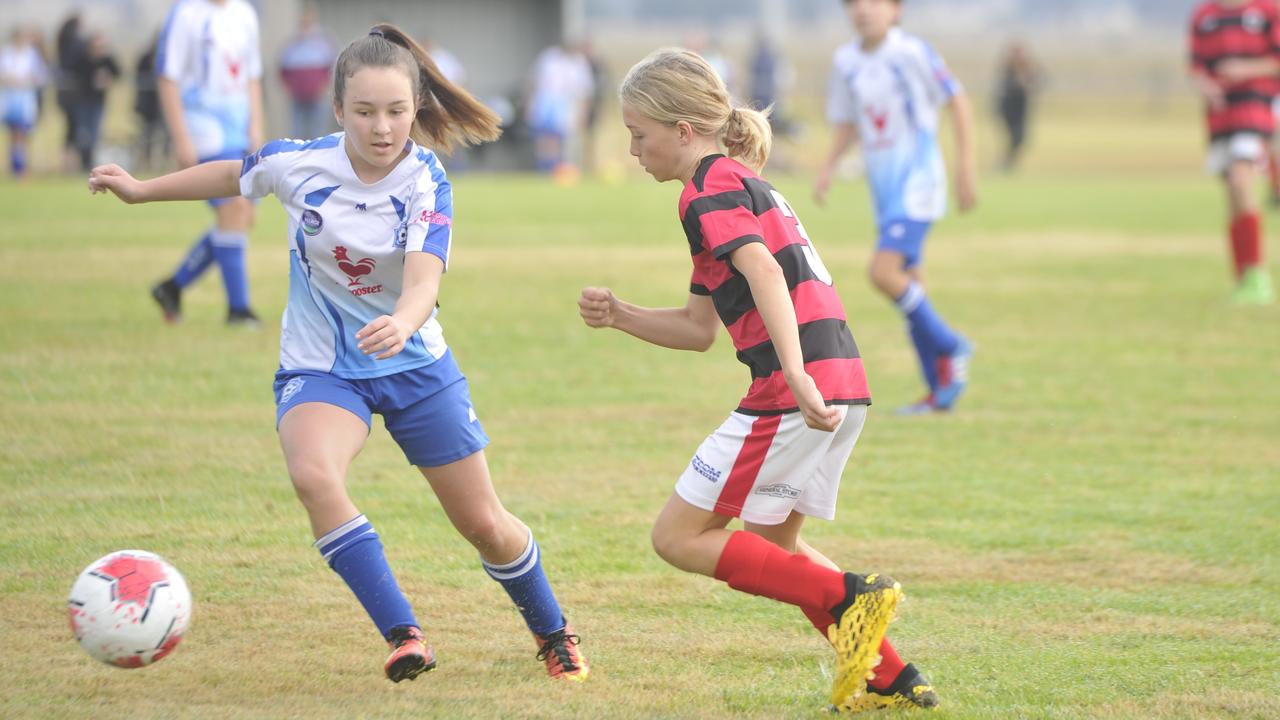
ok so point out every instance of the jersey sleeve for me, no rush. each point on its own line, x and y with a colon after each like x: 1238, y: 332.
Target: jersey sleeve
x: 723, y: 223
x: 1199, y: 55
x: 940, y: 83
x: 430, y: 217
x: 173, y: 52
x: 841, y: 106
x: 260, y: 173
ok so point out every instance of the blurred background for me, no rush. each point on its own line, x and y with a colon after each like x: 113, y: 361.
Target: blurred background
x: 1099, y: 63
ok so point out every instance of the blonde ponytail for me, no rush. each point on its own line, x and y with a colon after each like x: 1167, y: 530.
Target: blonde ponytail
x: 673, y: 85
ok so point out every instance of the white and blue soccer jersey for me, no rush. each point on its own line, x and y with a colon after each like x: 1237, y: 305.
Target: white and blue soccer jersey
x: 893, y: 95
x: 347, y: 243
x: 211, y: 52
x: 22, y: 72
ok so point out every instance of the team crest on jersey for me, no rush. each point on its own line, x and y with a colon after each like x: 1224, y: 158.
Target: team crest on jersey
x: 401, y: 237
x: 311, y: 221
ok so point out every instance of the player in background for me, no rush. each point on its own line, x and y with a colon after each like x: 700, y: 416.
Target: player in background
x: 209, y: 81
x: 1235, y: 66
x: 22, y: 74
x: 887, y: 88
x: 370, y: 230
x: 779, y: 456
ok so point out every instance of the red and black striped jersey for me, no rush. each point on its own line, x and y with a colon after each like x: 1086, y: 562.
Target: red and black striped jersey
x: 725, y: 207
x: 1251, y: 30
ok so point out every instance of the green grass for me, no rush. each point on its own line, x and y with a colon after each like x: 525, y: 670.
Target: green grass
x: 1093, y: 535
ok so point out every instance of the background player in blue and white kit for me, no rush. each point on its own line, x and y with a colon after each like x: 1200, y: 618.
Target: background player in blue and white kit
x: 370, y: 230
x: 22, y: 74
x: 209, y: 80
x: 887, y: 88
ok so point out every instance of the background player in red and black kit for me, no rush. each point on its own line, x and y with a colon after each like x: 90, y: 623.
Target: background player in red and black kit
x: 778, y: 458
x: 1235, y: 64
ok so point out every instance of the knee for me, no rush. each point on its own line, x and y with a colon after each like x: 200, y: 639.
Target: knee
x: 882, y: 278
x: 316, y: 483
x: 668, y: 545
x: 484, y: 531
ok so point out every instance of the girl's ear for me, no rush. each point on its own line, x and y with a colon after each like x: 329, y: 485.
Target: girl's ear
x: 686, y: 131
x: 337, y: 113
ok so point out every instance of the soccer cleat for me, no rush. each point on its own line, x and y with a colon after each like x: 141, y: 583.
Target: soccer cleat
x: 921, y: 407
x: 169, y: 296
x: 243, y: 318
x: 953, y: 374
x: 862, y: 618
x: 560, y: 652
x: 410, y: 654
x: 1255, y: 288
x: 910, y: 690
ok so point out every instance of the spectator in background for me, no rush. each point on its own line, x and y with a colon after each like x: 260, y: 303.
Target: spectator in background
x: 557, y: 106
x: 771, y: 76
x: 146, y: 105
x: 601, y: 88
x: 1020, y: 78
x: 306, y: 68
x: 70, y: 48
x: 22, y: 74
x: 96, y: 72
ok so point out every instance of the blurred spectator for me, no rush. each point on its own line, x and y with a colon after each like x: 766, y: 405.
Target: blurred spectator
x: 1020, y: 79
x: 22, y: 73
x: 560, y: 95
x: 601, y: 90
x: 70, y: 47
x: 771, y: 77
x: 96, y: 73
x: 306, y: 67
x: 450, y: 66
x: 146, y: 104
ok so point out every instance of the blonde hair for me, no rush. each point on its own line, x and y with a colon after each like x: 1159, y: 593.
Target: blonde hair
x: 673, y: 84
x: 446, y: 114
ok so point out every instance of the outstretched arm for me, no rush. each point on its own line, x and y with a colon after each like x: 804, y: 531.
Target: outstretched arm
x: 387, y: 334
x: 199, y: 182
x: 692, y: 327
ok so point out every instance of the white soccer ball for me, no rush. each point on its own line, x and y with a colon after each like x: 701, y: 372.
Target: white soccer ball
x: 129, y: 609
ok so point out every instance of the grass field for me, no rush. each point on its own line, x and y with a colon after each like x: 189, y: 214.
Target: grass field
x: 1094, y: 534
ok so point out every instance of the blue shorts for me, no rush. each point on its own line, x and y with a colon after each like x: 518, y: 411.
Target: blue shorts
x: 216, y: 203
x: 428, y: 412
x: 905, y: 237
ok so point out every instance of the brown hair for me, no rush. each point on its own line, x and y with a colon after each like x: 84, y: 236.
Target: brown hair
x: 673, y: 85
x: 445, y: 114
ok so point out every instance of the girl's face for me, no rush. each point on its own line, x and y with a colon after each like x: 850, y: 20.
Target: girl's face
x: 662, y: 149
x: 873, y: 18
x: 377, y: 113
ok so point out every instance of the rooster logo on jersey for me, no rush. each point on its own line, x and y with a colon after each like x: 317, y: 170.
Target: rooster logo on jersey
x: 354, y: 270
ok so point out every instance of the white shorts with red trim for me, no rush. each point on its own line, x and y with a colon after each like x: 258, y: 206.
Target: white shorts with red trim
x: 761, y: 468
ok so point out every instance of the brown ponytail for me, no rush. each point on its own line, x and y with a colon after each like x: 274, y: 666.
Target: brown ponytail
x: 447, y: 115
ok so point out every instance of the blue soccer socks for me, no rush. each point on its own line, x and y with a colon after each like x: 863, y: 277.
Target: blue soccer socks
x: 198, y: 259
x: 229, y: 251
x: 526, y: 583
x: 354, y: 551
x: 915, y: 305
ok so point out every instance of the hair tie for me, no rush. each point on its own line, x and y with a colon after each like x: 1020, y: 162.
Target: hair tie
x: 378, y: 32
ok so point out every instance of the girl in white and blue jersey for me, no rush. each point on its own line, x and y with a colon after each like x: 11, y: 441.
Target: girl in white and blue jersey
x: 370, y: 231
x: 887, y: 89
x: 209, y: 81
x: 22, y: 73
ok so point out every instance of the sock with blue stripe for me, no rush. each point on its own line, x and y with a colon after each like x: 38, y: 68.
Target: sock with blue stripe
x: 526, y: 583
x: 228, y: 251
x: 354, y: 551
x: 198, y: 259
x: 915, y: 305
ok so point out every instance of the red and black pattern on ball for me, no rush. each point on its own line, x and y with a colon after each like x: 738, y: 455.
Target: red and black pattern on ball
x: 133, y: 580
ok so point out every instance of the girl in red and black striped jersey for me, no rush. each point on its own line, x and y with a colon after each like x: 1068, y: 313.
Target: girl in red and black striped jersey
x: 1235, y: 65
x: 779, y: 456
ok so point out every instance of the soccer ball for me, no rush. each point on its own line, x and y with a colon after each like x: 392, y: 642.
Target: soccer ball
x: 129, y: 608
